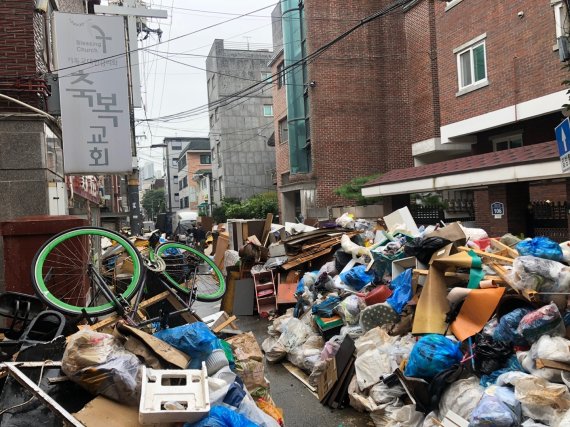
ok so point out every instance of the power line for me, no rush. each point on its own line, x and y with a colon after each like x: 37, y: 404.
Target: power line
x: 162, y: 42
x: 309, y: 58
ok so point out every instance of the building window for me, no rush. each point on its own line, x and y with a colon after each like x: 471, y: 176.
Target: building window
x: 281, y: 75
x: 472, y: 63
x: 181, y: 204
x: 265, y: 76
x: 561, y: 19
x: 176, y: 146
x: 175, y: 162
x: 507, y: 141
x: 175, y: 179
x: 176, y: 197
x: 213, y: 154
x: 180, y: 186
x: 268, y: 110
x: 205, y: 159
x: 221, y: 186
x: 218, y: 154
x: 283, y: 131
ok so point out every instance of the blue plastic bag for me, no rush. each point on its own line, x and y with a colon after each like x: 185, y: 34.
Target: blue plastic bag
x: 194, y: 339
x: 325, y: 308
x: 402, y: 291
x: 431, y: 355
x: 221, y: 416
x: 357, y: 277
x: 506, y: 331
x: 513, y: 364
x: 541, y: 247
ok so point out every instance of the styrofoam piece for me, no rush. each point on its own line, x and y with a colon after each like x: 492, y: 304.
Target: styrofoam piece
x: 401, y: 220
x: 190, y: 401
x: 402, y: 264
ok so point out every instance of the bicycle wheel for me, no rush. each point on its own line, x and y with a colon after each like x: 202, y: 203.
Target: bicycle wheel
x: 73, y: 269
x: 186, y: 268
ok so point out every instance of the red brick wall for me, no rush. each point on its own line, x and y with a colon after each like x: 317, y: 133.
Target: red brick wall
x: 553, y: 191
x: 422, y: 72
x: 521, y: 64
x: 359, y: 108
x: 17, y: 49
x: 280, y: 113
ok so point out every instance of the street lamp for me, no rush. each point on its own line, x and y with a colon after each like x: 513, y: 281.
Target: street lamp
x: 167, y: 174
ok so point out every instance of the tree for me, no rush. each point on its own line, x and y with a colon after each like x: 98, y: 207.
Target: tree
x: 352, y: 190
x: 257, y: 206
x: 153, y: 202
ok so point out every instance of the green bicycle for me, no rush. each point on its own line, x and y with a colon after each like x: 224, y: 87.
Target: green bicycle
x: 91, y: 271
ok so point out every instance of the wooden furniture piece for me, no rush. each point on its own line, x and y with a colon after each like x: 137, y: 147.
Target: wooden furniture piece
x: 265, y: 292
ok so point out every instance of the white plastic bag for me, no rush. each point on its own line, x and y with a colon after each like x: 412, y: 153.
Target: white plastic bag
x: 295, y: 334
x: 307, y: 355
x: 461, y: 397
x: 346, y: 220
x: 273, y: 349
x: 542, y: 400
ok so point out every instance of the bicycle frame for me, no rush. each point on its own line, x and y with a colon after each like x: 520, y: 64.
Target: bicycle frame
x: 124, y: 309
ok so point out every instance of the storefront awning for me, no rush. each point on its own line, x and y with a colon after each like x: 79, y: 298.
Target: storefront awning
x: 530, y: 163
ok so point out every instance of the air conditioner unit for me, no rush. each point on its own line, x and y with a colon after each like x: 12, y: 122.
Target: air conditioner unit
x: 563, y: 48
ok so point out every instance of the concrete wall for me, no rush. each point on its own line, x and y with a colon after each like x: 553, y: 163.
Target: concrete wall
x: 241, y: 158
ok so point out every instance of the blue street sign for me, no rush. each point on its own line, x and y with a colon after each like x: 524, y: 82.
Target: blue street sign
x: 563, y: 140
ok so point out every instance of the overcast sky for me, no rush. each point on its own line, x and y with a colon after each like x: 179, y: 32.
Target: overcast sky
x: 169, y: 87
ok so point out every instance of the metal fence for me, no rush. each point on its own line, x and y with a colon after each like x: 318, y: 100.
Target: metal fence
x: 549, y: 219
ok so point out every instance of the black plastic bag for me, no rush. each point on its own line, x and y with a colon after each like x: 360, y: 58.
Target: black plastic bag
x: 423, y: 249
x: 490, y: 355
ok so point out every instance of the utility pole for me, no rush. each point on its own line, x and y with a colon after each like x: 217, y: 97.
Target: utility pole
x: 130, y: 11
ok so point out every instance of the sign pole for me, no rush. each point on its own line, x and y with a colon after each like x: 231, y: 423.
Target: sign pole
x: 130, y: 11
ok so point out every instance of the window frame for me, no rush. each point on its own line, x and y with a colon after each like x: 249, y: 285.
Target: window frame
x: 266, y: 76
x: 506, y: 137
x: 280, y: 129
x: 281, y: 75
x: 561, y: 27
x: 209, y: 159
x: 268, y: 115
x: 470, y: 46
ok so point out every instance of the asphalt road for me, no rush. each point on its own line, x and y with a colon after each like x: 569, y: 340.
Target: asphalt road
x: 300, y: 407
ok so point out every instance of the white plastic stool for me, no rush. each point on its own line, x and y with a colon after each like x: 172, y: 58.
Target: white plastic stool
x: 162, y: 402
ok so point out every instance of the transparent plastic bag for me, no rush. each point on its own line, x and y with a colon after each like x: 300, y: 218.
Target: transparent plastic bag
x: 307, y: 355
x: 541, y: 247
x: 274, y: 350
x: 102, y: 366
x: 349, y: 309
x: 295, y: 334
x: 544, y: 321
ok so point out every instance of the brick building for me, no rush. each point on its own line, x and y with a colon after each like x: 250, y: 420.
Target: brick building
x: 496, y: 77
x: 360, y: 109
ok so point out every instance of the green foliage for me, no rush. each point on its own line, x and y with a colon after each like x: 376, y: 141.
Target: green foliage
x: 153, y: 202
x: 352, y: 190
x: 256, y: 207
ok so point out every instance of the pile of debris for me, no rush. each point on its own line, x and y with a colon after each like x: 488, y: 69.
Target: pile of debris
x: 185, y: 375
x: 430, y: 326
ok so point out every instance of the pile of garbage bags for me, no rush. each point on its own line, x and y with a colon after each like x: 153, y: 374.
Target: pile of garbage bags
x: 238, y: 390
x: 448, y: 323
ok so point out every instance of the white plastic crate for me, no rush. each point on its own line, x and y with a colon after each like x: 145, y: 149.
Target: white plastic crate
x: 189, y: 402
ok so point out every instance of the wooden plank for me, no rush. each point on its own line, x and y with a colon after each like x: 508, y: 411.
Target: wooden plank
x: 222, y: 325
x: 305, y: 258
x: 496, y: 258
x: 189, y: 317
x: 111, y: 320
x: 266, y: 228
x: 503, y: 274
x: 465, y: 276
x: 544, y: 363
x: 301, y: 376
x: 512, y: 253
